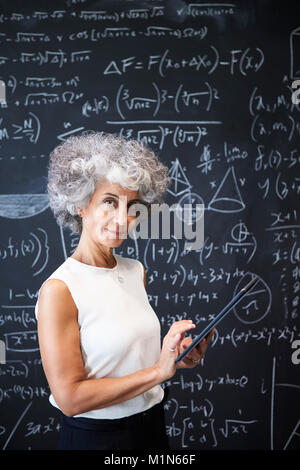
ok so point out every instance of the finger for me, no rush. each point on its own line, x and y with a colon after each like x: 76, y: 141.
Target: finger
x: 177, y: 324
x: 177, y: 339
x: 185, y: 343
x: 210, y: 335
x: 174, y: 342
x: 183, y: 347
x: 187, y: 362
x: 182, y: 328
x: 182, y: 344
x: 194, y: 355
x: 201, y: 347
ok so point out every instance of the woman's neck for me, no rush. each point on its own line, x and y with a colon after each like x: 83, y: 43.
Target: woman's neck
x: 101, y: 256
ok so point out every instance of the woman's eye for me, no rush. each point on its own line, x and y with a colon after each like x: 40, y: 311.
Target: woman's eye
x: 110, y: 202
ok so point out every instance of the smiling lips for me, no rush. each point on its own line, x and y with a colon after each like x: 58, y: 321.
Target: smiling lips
x: 116, y: 234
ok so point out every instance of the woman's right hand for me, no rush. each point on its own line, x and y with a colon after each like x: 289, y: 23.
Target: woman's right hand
x: 166, y: 364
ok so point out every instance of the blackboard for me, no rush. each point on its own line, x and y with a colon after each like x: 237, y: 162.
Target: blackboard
x: 208, y: 86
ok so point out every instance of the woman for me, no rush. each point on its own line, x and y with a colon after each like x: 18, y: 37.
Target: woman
x: 98, y: 334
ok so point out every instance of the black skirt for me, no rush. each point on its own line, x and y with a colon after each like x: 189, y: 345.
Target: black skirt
x: 143, y: 431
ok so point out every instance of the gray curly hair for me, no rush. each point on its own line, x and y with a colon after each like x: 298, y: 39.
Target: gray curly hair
x: 77, y: 165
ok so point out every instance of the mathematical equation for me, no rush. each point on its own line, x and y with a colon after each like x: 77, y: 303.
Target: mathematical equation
x: 193, y: 10
x: 201, y: 424
x: 96, y: 35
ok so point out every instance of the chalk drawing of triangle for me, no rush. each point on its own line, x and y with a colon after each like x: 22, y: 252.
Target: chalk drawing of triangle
x: 179, y: 179
x: 227, y: 197
x: 22, y: 206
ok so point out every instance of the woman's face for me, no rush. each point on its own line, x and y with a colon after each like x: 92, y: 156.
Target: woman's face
x: 106, y: 218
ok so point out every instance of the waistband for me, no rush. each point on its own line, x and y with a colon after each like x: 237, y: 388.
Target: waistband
x: 95, y: 424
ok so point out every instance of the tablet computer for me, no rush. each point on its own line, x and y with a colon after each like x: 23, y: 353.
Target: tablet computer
x: 219, y: 317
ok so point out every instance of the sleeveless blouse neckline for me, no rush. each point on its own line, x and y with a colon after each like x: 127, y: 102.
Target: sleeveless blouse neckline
x: 91, y: 267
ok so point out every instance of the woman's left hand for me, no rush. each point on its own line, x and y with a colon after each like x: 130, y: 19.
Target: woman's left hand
x: 194, y: 357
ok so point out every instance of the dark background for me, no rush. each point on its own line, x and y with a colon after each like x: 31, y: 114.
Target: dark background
x: 208, y: 87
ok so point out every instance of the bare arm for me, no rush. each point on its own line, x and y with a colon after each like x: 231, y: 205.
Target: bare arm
x: 59, y: 341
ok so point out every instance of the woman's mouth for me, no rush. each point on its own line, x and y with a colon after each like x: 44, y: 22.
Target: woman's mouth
x: 115, y: 234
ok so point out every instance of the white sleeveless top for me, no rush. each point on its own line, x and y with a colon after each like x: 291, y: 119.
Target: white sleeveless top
x: 119, y: 330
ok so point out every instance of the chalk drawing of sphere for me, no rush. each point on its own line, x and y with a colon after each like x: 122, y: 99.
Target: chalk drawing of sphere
x: 190, y: 208
x: 256, y: 303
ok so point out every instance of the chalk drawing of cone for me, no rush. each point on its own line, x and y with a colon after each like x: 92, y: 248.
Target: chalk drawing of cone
x: 227, y: 197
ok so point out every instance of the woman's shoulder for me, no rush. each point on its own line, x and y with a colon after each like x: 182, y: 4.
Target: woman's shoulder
x: 54, y: 288
x: 127, y: 261
x: 55, y: 293
x: 56, y: 285
x: 61, y: 273
x: 132, y: 264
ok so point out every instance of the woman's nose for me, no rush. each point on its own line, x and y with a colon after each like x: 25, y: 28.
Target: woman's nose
x: 121, y: 216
